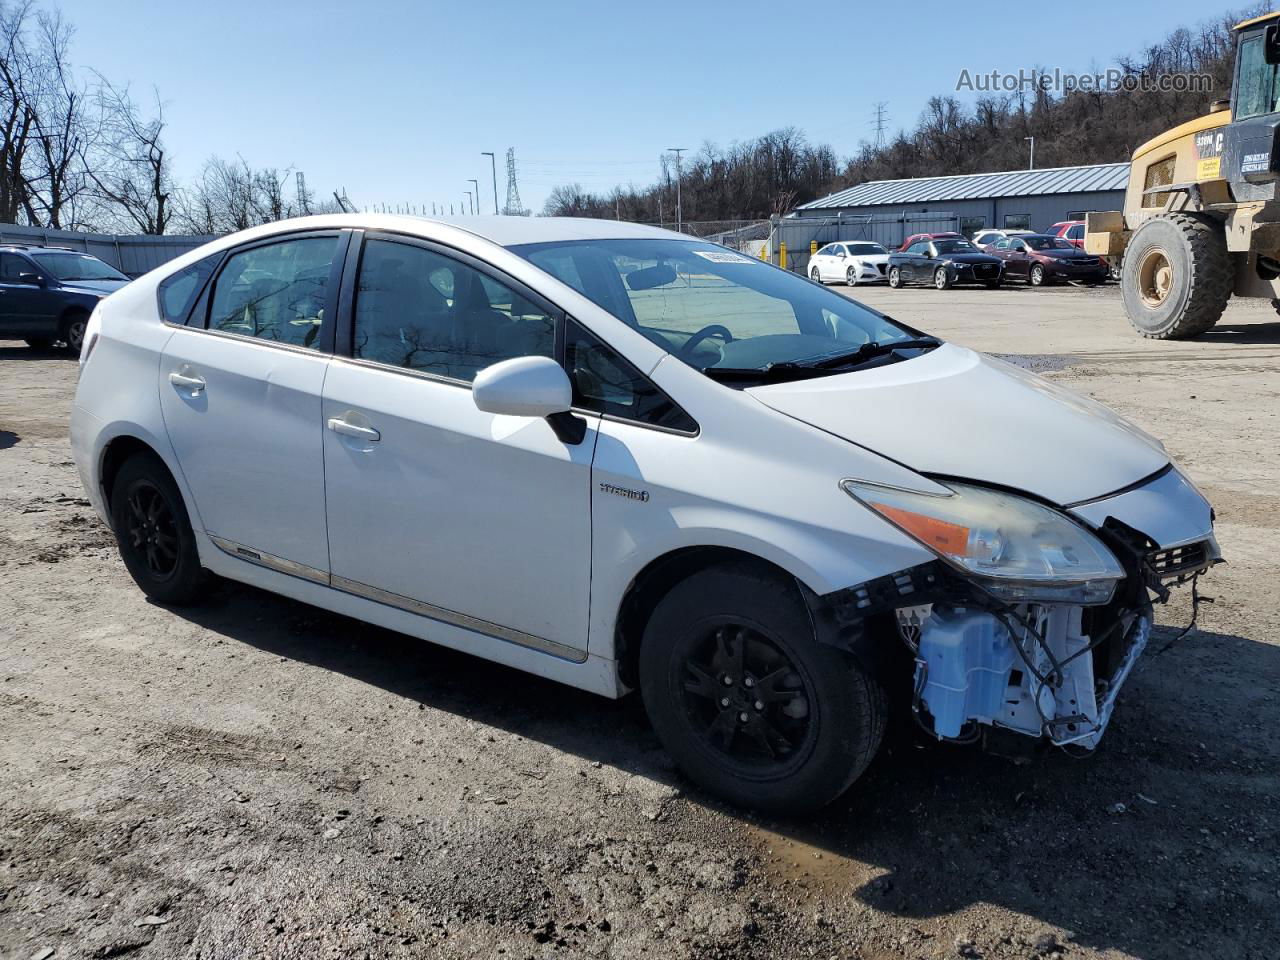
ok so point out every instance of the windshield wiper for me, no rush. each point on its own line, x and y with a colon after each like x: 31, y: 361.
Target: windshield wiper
x: 817, y: 366
x: 864, y: 352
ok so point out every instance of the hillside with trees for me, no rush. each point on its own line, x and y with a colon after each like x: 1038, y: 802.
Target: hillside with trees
x: 771, y: 174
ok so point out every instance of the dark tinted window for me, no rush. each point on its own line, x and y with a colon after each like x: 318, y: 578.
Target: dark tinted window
x: 77, y: 266
x: 277, y: 292
x: 418, y: 309
x: 178, y: 292
x: 606, y: 383
x: 12, y: 266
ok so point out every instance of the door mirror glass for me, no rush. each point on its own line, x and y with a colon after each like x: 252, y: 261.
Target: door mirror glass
x: 32, y: 278
x: 523, y: 387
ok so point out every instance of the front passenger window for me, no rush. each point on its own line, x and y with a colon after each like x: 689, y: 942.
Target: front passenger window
x: 275, y: 292
x: 419, y: 309
x: 606, y: 383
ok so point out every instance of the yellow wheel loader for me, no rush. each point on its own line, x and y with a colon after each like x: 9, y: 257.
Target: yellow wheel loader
x: 1201, y: 216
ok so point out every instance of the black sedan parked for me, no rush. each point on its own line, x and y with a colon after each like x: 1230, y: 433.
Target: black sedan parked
x: 943, y: 263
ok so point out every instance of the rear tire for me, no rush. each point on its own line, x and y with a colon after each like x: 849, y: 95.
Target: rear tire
x: 39, y: 343
x: 815, y: 276
x: 154, y: 533
x: 734, y: 642
x: 1176, y: 276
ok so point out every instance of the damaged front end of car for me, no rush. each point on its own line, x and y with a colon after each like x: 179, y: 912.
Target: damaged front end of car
x: 1033, y: 616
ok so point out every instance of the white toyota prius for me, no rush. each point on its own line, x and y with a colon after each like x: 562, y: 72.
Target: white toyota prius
x: 623, y: 458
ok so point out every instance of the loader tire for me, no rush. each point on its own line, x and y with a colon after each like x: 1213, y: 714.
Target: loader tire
x: 1176, y: 276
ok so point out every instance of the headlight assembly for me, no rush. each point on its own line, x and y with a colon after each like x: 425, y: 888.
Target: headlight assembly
x: 1019, y: 550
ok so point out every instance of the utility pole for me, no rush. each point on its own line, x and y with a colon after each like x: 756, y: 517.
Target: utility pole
x: 493, y: 165
x: 468, y: 207
x: 476, y: 184
x: 679, y: 210
x: 1032, y: 164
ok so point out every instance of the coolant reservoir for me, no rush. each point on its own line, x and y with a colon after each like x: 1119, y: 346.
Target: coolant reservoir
x: 966, y: 656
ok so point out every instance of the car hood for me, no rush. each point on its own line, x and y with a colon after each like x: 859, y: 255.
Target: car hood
x: 871, y: 257
x: 956, y: 413
x: 93, y: 286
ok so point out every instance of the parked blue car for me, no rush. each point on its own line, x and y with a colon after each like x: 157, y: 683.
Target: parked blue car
x: 47, y: 294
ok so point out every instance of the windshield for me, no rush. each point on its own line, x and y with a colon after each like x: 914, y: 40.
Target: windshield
x: 866, y: 249
x: 713, y: 308
x: 77, y: 266
x: 1047, y: 243
x: 955, y: 246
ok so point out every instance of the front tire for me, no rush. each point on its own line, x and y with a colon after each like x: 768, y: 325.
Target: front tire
x: 1036, y: 276
x: 154, y: 533
x: 851, y: 277
x: 1176, y: 276
x: 940, y: 278
x: 747, y: 701
x: 895, y: 277
x: 72, y: 333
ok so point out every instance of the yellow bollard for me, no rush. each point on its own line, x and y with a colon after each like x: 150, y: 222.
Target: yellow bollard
x: 764, y: 251
x: 782, y: 255
x: 813, y: 248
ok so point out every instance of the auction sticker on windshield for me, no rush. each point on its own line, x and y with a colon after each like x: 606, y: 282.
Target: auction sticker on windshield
x: 723, y: 256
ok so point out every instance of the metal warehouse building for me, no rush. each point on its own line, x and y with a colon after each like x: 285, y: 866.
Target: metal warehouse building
x: 887, y: 211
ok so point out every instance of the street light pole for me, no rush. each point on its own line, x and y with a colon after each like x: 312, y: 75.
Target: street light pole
x: 493, y: 164
x: 1032, y: 164
x: 679, y: 212
x: 475, y: 183
x: 469, y: 208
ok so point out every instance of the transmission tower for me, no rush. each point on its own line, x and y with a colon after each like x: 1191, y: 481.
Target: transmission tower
x: 514, y: 207
x: 304, y: 198
x: 880, y: 122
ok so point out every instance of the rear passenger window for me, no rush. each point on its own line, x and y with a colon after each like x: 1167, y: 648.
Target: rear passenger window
x: 418, y: 309
x: 606, y: 383
x: 275, y: 292
x: 177, y: 293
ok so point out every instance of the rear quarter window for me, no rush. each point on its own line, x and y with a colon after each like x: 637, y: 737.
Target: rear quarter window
x: 177, y: 293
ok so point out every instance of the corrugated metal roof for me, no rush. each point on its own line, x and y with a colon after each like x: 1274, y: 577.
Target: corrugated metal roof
x: 975, y: 186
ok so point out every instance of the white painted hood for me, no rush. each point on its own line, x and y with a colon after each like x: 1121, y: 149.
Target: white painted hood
x: 959, y: 413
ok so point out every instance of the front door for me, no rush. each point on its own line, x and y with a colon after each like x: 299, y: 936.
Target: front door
x: 461, y: 516
x: 1017, y: 261
x: 241, y: 402
x: 24, y: 304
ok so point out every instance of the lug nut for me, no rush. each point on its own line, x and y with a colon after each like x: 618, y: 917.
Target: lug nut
x: 748, y: 682
x: 743, y: 717
x: 724, y: 701
x: 727, y: 680
x: 759, y: 704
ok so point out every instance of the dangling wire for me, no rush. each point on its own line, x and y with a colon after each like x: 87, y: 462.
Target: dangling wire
x: 1196, y: 600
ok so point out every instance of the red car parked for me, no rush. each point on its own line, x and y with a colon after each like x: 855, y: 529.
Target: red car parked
x: 928, y: 236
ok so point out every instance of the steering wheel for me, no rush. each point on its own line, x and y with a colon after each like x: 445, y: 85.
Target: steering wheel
x: 710, y: 330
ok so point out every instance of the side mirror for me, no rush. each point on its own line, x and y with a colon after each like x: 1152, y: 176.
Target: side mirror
x: 32, y: 278
x: 530, y: 387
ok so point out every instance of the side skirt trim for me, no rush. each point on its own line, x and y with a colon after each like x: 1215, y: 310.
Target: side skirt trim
x: 386, y: 597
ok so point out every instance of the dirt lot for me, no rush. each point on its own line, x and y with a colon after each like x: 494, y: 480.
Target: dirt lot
x: 258, y: 778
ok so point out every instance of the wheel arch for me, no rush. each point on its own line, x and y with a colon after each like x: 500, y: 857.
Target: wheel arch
x: 120, y: 442
x: 659, y: 576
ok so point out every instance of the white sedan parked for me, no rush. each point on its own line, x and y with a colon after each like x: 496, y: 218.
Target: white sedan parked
x: 851, y: 262
x: 621, y: 457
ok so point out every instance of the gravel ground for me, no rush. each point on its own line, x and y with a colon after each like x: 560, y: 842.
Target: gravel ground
x: 258, y: 778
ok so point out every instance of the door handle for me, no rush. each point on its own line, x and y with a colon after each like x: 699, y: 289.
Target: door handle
x: 194, y: 384
x: 367, y: 434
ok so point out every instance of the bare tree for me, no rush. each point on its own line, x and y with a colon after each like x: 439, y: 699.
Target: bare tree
x: 17, y: 112
x: 130, y: 169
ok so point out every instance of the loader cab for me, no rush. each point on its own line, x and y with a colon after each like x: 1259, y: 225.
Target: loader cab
x: 1249, y: 148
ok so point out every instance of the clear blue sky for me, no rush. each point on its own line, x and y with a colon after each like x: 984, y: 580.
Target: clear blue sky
x: 394, y: 100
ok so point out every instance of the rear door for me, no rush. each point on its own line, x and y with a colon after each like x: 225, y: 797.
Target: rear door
x: 240, y: 390
x: 1018, y: 261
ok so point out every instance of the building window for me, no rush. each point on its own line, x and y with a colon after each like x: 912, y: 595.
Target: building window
x: 1076, y: 214
x: 1017, y: 221
x: 971, y: 225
